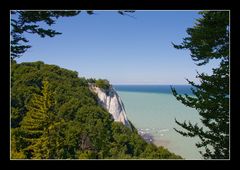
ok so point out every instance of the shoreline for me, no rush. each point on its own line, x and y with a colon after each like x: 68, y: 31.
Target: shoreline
x: 154, y: 113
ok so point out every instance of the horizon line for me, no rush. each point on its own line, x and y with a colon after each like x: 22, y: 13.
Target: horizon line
x: 149, y: 84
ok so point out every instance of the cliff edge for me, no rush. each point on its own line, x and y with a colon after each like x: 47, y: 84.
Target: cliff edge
x: 110, y: 100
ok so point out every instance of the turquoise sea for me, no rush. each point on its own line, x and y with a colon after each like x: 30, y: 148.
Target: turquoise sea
x: 152, y: 109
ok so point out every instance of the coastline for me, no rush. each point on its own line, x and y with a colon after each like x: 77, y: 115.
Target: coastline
x: 155, y: 113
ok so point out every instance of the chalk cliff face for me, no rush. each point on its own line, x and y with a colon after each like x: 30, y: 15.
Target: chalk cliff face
x: 110, y: 100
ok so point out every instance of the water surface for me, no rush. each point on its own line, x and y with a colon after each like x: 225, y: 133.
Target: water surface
x: 153, y: 108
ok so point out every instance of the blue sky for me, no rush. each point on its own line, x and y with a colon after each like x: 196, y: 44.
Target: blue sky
x: 122, y: 49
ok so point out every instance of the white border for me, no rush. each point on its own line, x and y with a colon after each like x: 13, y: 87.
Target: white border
x: 166, y: 148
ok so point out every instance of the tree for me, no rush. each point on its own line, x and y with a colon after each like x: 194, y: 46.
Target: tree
x: 16, y: 152
x: 28, y: 22
x: 209, y: 39
x: 75, y: 125
x: 39, y: 123
x: 102, y: 83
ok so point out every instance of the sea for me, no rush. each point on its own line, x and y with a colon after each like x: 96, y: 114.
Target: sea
x: 153, y: 109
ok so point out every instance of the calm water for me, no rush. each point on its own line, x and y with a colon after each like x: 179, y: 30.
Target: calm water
x: 153, y: 108
x: 182, y: 89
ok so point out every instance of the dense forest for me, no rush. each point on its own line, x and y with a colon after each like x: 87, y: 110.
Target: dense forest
x: 54, y: 115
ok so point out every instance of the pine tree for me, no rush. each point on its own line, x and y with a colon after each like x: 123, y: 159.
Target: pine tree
x: 209, y: 39
x: 16, y: 152
x: 38, y: 123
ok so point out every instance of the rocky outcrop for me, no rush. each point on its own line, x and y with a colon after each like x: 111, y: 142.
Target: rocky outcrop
x: 111, y: 101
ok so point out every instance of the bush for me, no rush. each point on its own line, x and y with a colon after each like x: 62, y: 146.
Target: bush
x: 102, y: 83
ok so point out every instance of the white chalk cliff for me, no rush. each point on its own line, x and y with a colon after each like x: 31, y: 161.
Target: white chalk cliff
x: 111, y: 101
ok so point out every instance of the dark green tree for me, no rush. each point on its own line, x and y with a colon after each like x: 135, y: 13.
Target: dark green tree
x: 79, y: 127
x: 102, y: 83
x: 23, y: 22
x: 16, y: 152
x: 28, y: 22
x: 209, y: 39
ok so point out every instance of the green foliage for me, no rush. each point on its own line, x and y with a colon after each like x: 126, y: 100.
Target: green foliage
x: 129, y: 145
x: 102, y: 83
x: 54, y: 115
x: 86, y: 154
x: 26, y: 80
x: 209, y: 39
x: 16, y: 152
x: 23, y: 22
x: 26, y: 22
x: 91, y: 80
x: 38, y: 124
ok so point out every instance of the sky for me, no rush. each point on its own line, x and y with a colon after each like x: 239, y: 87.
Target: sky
x: 122, y: 49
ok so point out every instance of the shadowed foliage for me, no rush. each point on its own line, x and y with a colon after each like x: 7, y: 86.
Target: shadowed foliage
x: 207, y: 40
x: 54, y: 115
x: 23, y: 22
